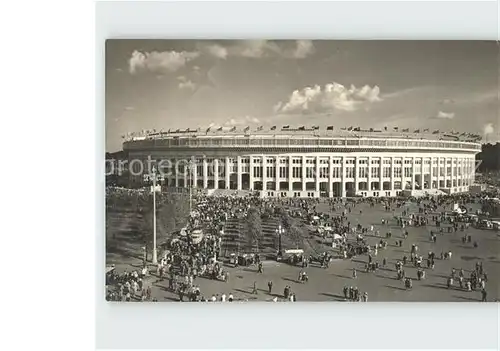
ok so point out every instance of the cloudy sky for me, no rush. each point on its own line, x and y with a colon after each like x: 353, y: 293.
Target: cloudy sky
x: 162, y: 84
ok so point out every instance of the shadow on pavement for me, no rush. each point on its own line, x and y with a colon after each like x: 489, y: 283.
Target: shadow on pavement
x: 338, y: 297
x: 395, y: 287
x: 466, y: 298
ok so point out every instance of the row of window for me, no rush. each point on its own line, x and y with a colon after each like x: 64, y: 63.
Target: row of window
x: 466, y: 162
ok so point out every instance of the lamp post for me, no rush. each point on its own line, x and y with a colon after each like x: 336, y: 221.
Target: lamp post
x: 153, y: 177
x: 279, y: 232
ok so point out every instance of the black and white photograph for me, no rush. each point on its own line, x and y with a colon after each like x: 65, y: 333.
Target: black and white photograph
x: 302, y: 170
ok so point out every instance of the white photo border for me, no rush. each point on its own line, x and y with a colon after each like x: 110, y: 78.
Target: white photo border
x: 303, y: 325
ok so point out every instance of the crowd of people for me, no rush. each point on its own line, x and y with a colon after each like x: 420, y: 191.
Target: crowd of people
x: 183, y: 261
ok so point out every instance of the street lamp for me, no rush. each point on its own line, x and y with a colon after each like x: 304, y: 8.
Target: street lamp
x: 153, y: 177
x: 279, y: 231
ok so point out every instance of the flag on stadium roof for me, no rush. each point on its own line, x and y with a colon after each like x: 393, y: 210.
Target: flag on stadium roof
x: 315, y: 127
x: 329, y: 128
x: 417, y: 130
x: 349, y: 129
x: 273, y: 127
x: 178, y: 131
x: 406, y: 130
x: 343, y: 128
x: 426, y: 130
x: 371, y: 129
x: 357, y: 129
x: 219, y: 129
x: 232, y: 129
x: 260, y: 128
x: 302, y: 128
x: 396, y: 128
x: 435, y: 132
x: 208, y: 129
x: 246, y: 129
x: 385, y: 128
x: 286, y: 127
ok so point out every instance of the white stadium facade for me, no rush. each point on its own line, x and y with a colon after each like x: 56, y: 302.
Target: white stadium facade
x: 308, y: 162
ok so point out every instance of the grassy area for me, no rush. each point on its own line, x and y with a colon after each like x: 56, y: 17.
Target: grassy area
x: 129, y: 224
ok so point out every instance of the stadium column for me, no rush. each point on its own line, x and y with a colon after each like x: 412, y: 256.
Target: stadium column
x: 303, y: 173
x: 463, y: 177
x: 413, y: 173
x: 343, y: 182
x: 356, y: 175
x: 226, y: 171
x: 381, y: 175
x: 216, y: 173
x: 316, y: 175
x: 447, y: 171
x: 250, y: 171
x: 194, y: 170
x: 176, y: 168
x: 205, y: 173
x: 290, y: 173
x: 264, y: 173
x: 330, y: 176
x: 392, y: 173
x: 431, y: 172
x: 276, y: 173
x: 438, y: 174
x: 239, y: 185
x: 369, y: 175
x: 403, y: 178
x: 186, y: 172
x: 451, y: 172
x: 422, y: 179
x: 455, y: 167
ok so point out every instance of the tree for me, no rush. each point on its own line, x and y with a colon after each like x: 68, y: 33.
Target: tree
x: 172, y: 211
x: 291, y: 228
x: 295, y: 235
x: 254, y: 228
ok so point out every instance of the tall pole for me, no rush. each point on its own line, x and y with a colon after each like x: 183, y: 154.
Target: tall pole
x: 155, y: 258
x: 279, y: 231
x: 190, y: 188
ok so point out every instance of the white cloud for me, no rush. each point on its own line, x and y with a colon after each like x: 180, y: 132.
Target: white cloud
x: 445, y: 115
x: 331, y: 97
x: 304, y: 48
x: 129, y: 108
x: 187, y: 84
x: 171, y: 61
x: 239, y: 121
x: 260, y: 49
x: 160, y: 62
x: 217, y: 51
x: 488, y: 129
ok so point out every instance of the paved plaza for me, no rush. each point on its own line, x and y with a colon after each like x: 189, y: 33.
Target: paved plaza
x: 326, y: 284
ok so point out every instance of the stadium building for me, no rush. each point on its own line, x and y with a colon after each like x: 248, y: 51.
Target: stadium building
x: 309, y: 162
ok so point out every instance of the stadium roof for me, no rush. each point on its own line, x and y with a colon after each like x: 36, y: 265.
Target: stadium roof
x: 304, y: 132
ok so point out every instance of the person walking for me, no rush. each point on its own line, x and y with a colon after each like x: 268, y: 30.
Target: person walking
x: 254, y: 291
x: 483, y: 295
